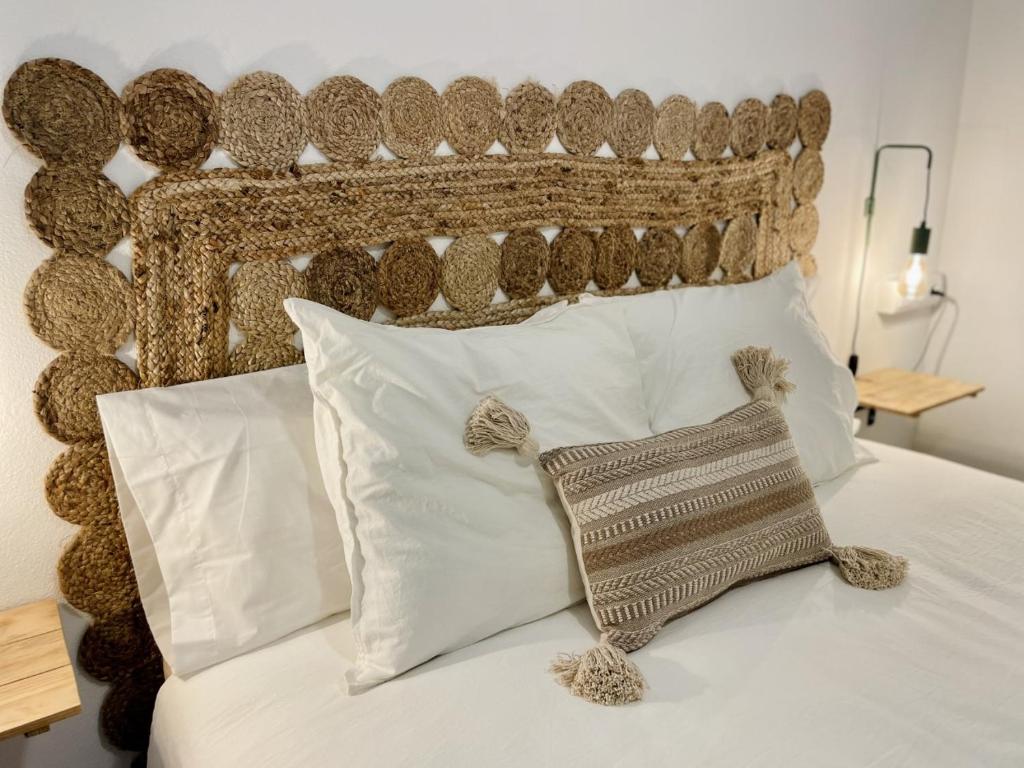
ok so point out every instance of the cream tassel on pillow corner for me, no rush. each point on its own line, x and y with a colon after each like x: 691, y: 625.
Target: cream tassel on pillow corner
x: 869, y: 568
x: 493, y: 425
x: 762, y: 374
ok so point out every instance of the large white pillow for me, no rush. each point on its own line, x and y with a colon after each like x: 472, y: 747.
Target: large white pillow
x: 446, y: 548
x: 232, y: 536
x: 684, y: 339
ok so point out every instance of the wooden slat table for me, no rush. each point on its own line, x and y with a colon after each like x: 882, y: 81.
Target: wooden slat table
x: 37, y: 681
x: 909, y: 393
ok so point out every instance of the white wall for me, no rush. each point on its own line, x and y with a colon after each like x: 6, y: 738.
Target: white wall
x: 891, y: 69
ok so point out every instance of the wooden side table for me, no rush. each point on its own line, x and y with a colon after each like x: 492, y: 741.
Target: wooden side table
x: 37, y: 681
x: 909, y: 393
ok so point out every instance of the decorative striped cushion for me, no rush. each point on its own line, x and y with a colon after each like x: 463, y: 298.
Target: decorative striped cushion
x: 665, y: 524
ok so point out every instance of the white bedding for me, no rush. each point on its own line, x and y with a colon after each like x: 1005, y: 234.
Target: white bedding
x: 797, y: 670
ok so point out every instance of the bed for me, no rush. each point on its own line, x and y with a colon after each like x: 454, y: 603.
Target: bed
x: 801, y: 671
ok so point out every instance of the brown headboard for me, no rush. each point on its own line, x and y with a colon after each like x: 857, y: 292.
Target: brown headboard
x: 216, y: 248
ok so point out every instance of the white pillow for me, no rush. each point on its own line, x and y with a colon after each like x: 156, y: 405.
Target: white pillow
x: 446, y: 548
x: 233, y: 539
x: 684, y: 339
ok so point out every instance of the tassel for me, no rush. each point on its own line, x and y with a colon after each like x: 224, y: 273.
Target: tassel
x: 869, y: 568
x: 602, y: 675
x: 763, y: 375
x: 492, y: 424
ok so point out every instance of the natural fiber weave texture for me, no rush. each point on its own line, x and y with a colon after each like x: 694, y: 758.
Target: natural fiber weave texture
x: 529, y: 119
x: 80, y: 303
x: 63, y: 112
x: 170, y: 119
x: 808, y: 175
x: 803, y: 228
x: 65, y: 393
x: 76, y: 210
x: 525, y: 256
x: 675, y: 127
x: 116, y: 643
x: 127, y: 712
x: 808, y: 265
x: 344, y: 279
x: 412, y: 119
x: 584, y: 117
x: 95, y: 572
x: 700, y: 253
x: 616, y: 257
x: 79, y: 487
x: 739, y: 247
x: 711, y: 135
x: 262, y: 121
x: 814, y: 119
x: 781, y: 125
x: 343, y: 118
x: 632, y: 127
x: 572, y: 260
x: 472, y: 108
x: 748, y: 128
x: 408, y: 277
x: 469, y: 272
x: 659, y: 255
x: 258, y: 291
x: 263, y: 352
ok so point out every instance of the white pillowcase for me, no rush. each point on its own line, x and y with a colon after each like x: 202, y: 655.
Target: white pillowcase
x: 446, y: 548
x: 233, y: 539
x: 684, y: 339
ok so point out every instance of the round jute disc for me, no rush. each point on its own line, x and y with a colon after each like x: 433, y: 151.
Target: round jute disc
x: 617, y: 255
x: 343, y: 118
x: 412, y: 119
x: 529, y: 119
x: 262, y: 121
x: 632, y: 128
x: 700, y: 253
x: 814, y: 119
x: 808, y: 265
x: 469, y: 272
x: 781, y: 126
x: 739, y: 246
x: 80, y: 303
x: 65, y: 393
x: 572, y: 261
x: 256, y: 295
x: 63, y: 112
x: 472, y: 108
x: 408, y: 276
x: 675, y: 127
x: 79, y: 487
x: 263, y: 352
x: 711, y: 135
x: 748, y: 127
x: 583, y: 117
x: 808, y: 175
x: 170, y: 119
x: 524, y: 263
x: 344, y: 279
x: 76, y: 210
x: 114, y: 644
x: 659, y: 254
x: 803, y: 228
x: 127, y: 711
x: 95, y: 572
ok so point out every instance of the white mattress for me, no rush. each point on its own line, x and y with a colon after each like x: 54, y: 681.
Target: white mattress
x: 797, y: 670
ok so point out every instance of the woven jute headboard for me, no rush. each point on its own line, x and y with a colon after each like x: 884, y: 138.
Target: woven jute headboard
x: 519, y: 225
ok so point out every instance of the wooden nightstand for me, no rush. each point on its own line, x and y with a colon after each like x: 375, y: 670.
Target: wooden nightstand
x: 37, y: 681
x: 909, y: 393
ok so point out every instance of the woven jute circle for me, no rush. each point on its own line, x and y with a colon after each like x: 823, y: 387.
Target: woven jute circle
x: 126, y: 714
x: 748, y: 131
x: 469, y: 272
x: 700, y: 253
x: 76, y: 209
x: 472, y: 108
x: 814, y: 119
x: 79, y: 487
x: 617, y: 255
x: 170, y: 119
x: 524, y: 263
x: 257, y: 292
x: 675, y: 127
x: 632, y: 128
x: 408, y: 276
x: 711, y: 135
x: 344, y: 279
x: 584, y: 117
x: 95, y: 572
x: 343, y: 118
x: 529, y: 119
x: 412, y: 119
x: 80, y: 303
x: 739, y: 246
x: 261, y: 352
x: 781, y: 126
x: 572, y: 260
x: 63, y: 112
x: 803, y: 228
x: 808, y: 175
x: 65, y: 393
x: 659, y: 255
x: 262, y: 121
x: 114, y: 644
x: 808, y: 265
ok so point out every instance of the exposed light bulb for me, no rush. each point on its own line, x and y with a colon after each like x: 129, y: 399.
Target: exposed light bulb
x: 914, y: 279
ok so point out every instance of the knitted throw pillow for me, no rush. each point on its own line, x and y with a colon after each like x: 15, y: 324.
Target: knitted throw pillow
x: 665, y: 524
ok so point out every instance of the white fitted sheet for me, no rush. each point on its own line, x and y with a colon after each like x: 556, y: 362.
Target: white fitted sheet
x: 797, y: 670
